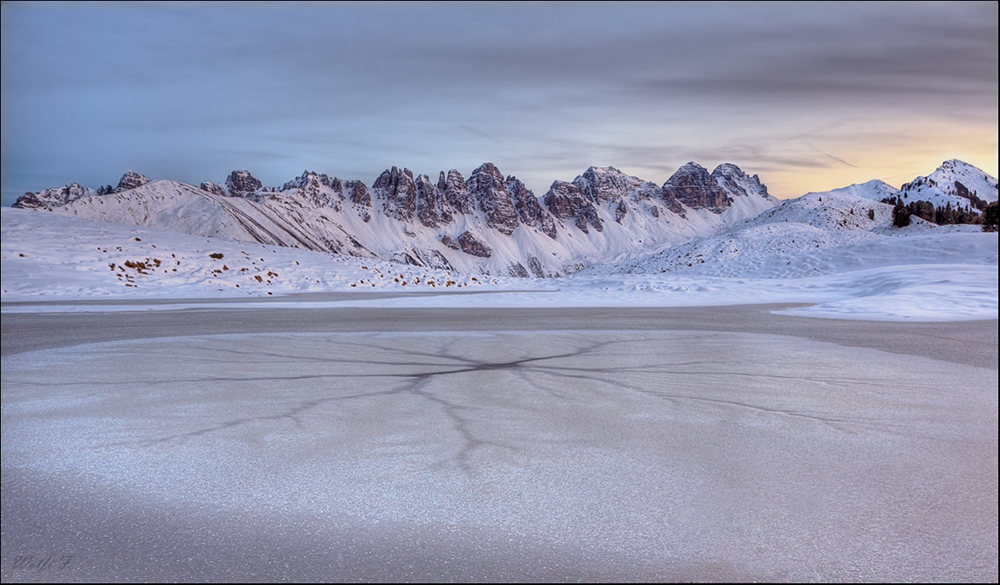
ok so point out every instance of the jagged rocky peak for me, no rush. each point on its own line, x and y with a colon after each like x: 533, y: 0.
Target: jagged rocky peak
x: 310, y: 184
x: 488, y: 188
x: 737, y: 183
x: 131, y: 180
x: 358, y: 193
x: 693, y: 186
x: 308, y: 180
x: 456, y: 192
x: 606, y: 184
x: 432, y: 207
x: 398, y: 192
x: 55, y: 197
x: 241, y: 184
x: 527, y: 208
x: 569, y: 203
x: 486, y: 175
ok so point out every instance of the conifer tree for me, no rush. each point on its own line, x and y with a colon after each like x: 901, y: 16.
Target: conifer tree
x: 991, y: 216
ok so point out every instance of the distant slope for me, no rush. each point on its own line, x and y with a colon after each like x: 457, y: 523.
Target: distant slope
x: 818, y: 233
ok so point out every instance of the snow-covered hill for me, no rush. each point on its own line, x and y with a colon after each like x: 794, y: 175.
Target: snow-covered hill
x: 699, y: 239
x: 818, y: 233
x: 954, y: 183
x: 54, y: 256
x: 487, y: 224
x: 875, y: 190
x: 942, y: 273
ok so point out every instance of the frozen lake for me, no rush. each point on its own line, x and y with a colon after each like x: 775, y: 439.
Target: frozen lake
x: 511, y: 444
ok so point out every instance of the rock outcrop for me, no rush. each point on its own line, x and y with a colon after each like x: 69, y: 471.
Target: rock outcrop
x: 472, y: 245
x: 693, y: 186
x: 456, y: 192
x: 398, y: 191
x: 489, y: 190
x: 605, y: 184
x: 241, y: 184
x: 55, y: 197
x: 432, y: 207
x: 214, y: 189
x: 131, y: 180
x: 567, y: 202
x: 734, y: 181
x: 310, y: 184
x: 527, y: 208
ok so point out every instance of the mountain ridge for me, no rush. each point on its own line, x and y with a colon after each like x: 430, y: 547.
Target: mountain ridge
x: 488, y: 223
x: 491, y: 223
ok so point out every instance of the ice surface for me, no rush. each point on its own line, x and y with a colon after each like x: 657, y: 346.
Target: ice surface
x: 499, y: 456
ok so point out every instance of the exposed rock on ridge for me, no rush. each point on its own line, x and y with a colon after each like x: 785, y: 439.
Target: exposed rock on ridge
x: 131, y: 180
x: 528, y: 210
x: 488, y: 188
x: 399, y: 193
x: 693, y: 186
x: 456, y: 192
x: 242, y: 183
x: 732, y: 179
x: 568, y: 202
x: 54, y: 197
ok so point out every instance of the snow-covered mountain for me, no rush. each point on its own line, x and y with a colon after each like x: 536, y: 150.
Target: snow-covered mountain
x: 492, y: 224
x: 818, y: 233
x: 954, y: 183
x: 727, y: 242
x: 487, y: 223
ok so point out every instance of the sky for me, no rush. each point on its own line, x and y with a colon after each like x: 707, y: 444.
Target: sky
x: 810, y: 96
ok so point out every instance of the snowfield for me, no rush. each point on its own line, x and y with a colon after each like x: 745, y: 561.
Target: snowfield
x: 823, y: 249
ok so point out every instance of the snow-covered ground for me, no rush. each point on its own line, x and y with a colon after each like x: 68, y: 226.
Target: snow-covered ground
x: 856, y: 271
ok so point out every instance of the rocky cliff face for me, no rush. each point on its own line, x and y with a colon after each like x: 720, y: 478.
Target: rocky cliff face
x: 527, y: 208
x: 358, y: 193
x: 604, y: 184
x: 693, y: 186
x: 432, y: 207
x: 456, y: 192
x: 241, y: 184
x: 470, y: 244
x: 398, y: 193
x: 489, y: 190
x: 737, y: 183
x: 567, y: 202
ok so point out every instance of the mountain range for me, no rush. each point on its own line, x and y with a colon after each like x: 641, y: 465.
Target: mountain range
x: 493, y: 224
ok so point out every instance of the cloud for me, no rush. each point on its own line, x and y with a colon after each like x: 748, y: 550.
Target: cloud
x: 548, y: 87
